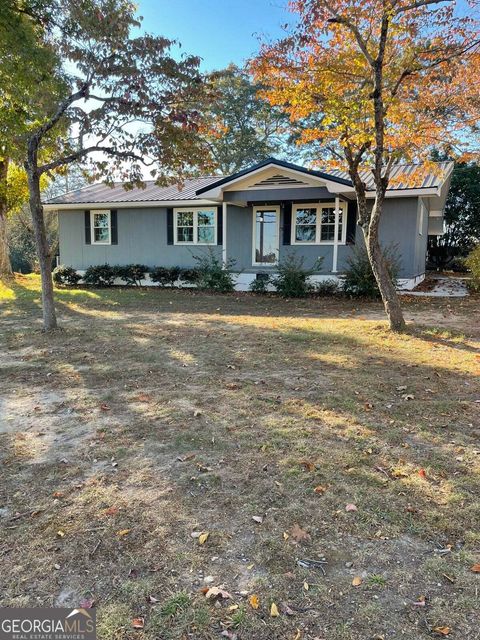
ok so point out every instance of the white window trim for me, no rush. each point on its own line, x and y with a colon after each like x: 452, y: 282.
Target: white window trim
x: 276, y: 209
x: 195, y: 211
x: 92, y: 226
x: 318, y: 224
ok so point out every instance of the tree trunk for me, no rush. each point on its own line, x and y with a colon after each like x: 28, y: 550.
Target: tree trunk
x: 5, y: 265
x: 43, y: 250
x: 380, y: 270
x: 370, y: 223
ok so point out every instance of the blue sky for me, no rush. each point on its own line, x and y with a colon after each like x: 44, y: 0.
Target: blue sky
x: 219, y: 31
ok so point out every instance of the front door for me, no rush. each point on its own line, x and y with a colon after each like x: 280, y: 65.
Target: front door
x: 266, y: 222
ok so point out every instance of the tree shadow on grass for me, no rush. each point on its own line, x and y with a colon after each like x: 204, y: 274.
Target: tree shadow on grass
x: 269, y: 408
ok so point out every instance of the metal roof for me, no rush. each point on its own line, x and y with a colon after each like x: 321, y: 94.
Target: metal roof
x: 151, y: 193
x: 408, y: 176
x: 403, y: 176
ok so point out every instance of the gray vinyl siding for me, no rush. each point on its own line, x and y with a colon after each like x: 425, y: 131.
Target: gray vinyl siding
x: 142, y: 236
x: 435, y: 226
x: 399, y: 229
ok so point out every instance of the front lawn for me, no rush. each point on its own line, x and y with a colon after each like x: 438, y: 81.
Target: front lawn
x: 286, y: 431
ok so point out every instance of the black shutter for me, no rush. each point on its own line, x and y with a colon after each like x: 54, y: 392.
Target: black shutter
x: 287, y: 222
x: 88, y: 230
x: 219, y: 225
x: 351, y: 221
x: 113, y: 226
x: 169, y: 226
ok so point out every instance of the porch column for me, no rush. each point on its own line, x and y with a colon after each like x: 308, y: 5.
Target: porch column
x: 335, y: 240
x: 224, y: 234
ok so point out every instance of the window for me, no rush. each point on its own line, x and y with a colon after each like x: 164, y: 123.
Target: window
x: 306, y: 224
x: 315, y: 224
x: 265, y: 235
x: 100, y: 222
x: 195, y: 226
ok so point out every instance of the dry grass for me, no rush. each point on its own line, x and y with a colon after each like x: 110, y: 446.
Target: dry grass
x: 154, y: 414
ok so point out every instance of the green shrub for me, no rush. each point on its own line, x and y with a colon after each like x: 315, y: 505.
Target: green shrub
x: 359, y: 280
x: 213, y: 275
x: 329, y: 287
x: 292, y: 279
x: 66, y: 275
x: 189, y: 276
x: 473, y: 263
x: 102, y: 275
x: 260, y: 284
x: 132, y: 274
x: 165, y: 276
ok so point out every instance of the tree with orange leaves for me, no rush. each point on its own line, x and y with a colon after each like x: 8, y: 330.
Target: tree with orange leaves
x: 373, y: 82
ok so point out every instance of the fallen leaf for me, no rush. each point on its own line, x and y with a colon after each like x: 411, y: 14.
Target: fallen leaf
x: 286, y: 609
x: 111, y: 511
x: 475, y: 568
x: 58, y: 494
x: 87, y: 603
x: 226, y: 633
x: 233, y: 607
x: 258, y: 519
x: 299, y: 534
x: 104, y: 407
x: 274, y: 613
x: 202, y: 538
x: 60, y: 533
x: 188, y: 456
x: 152, y: 600
x: 308, y: 466
x: 254, y: 601
x: 422, y: 473
x: 285, y: 535
x: 203, y: 468
x: 306, y: 586
x: 357, y: 581
x: 123, y: 532
x: 420, y: 602
x: 408, y: 396
x: 443, y: 631
x: 368, y: 406
x: 217, y: 592
x: 320, y: 489
x: 138, y: 623
x: 402, y: 388
x: 142, y: 397
x: 351, y: 507
x: 298, y: 635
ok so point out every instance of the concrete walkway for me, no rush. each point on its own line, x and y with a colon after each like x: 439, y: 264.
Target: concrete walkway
x: 443, y: 288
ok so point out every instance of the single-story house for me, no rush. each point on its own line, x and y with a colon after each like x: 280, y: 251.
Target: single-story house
x: 254, y: 218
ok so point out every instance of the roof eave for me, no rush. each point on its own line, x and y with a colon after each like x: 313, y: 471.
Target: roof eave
x: 65, y: 206
x: 403, y: 193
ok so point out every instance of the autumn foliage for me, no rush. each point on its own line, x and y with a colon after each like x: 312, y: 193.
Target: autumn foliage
x: 323, y: 76
x: 369, y: 83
